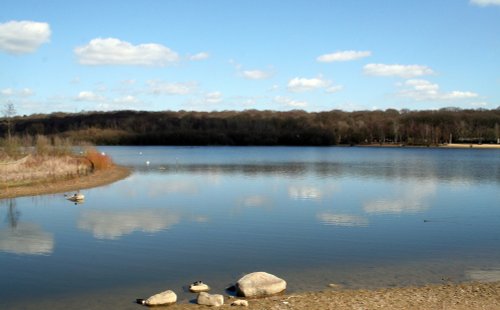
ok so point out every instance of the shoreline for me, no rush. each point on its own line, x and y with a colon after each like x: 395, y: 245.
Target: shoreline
x: 444, y: 146
x: 460, y: 296
x: 95, y: 179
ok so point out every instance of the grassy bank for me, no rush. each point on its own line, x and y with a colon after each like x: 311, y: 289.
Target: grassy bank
x: 49, y: 166
x: 94, y: 179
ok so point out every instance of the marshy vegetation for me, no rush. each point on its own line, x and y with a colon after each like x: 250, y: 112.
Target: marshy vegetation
x: 30, y: 160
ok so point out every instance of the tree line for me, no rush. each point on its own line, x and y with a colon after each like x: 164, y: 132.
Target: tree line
x: 254, y: 127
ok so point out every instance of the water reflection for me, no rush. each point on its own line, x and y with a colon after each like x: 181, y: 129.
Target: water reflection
x: 255, y: 201
x: 304, y: 192
x: 412, y: 198
x: 23, y: 238
x: 346, y: 220
x: 26, y: 238
x: 347, y: 213
x: 115, y: 224
x: 12, y: 214
x: 457, y: 172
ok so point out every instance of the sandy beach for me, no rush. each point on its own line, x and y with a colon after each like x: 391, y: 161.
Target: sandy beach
x: 462, y: 296
x: 471, y: 146
x: 448, y: 145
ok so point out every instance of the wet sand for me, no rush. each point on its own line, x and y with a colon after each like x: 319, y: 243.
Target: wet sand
x: 472, y: 295
x: 95, y: 179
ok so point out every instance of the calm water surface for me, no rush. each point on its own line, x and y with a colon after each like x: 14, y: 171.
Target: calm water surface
x: 360, y: 217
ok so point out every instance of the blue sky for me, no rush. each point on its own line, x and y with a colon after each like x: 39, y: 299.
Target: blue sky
x: 74, y: 56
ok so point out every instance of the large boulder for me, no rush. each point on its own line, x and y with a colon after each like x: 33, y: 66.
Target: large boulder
x: 161, y: 299
x: 207, y: 299
x: 259, y: 284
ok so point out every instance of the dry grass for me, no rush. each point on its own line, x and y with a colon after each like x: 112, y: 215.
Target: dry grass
x: 41, y: 168
x: 42, y: 165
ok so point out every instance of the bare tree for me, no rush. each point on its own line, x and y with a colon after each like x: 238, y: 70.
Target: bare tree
x: 9, y: 110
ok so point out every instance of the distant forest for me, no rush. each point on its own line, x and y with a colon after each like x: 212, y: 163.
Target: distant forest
x: 254, y: 127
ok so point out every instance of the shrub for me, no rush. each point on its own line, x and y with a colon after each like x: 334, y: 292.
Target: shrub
x: 98, y: 160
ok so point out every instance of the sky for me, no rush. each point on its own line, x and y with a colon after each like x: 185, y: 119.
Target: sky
x: 321, y: 55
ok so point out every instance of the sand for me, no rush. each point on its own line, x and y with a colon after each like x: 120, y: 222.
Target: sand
x: 97, y: 178
x: 471, y: 146
x: 462, y: 296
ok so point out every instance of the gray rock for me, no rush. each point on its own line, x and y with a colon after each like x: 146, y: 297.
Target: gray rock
x: 259, y: 284
x: 210, y: 299
x: 161, y: 299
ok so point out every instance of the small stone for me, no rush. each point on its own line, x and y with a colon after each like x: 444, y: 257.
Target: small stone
x: 335, y: 286
x: 240, y: 302
x: 207, y: 299
x: 161, y: 299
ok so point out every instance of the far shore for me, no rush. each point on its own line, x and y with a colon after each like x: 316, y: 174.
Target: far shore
x: 95, y: 179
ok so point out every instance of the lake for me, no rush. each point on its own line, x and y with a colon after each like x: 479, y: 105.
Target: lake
x: 354, y: 216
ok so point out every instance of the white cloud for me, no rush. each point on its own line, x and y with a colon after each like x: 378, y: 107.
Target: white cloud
x: 199, y: 56
x: 343, y: 56
x: 256, y: 74
x: 303, y: 84
x: 274, y: 88
x: 290, y: 102
x: 480, y: 104
x: 213, y: 97
x: 22, y: 37
x: 421, y: 90
x: 456, y: 94
x: 111, y: 51
x: 334, y: 89
x: 10, y: 92
x: 404, y: 71
x: 485, y: 2
x: 89, y: 96
x: 169, y: 88
x: 129, y: 99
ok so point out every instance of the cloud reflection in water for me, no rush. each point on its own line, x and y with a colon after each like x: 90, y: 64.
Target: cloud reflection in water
x: 412, y: 200
x: 115, y: 224
x: 304, y: 193
x: 26, y: 238
x: 346, y: 220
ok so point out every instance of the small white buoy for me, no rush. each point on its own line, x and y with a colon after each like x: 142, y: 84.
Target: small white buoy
x: 140, y: 153
x: 147, y: 162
